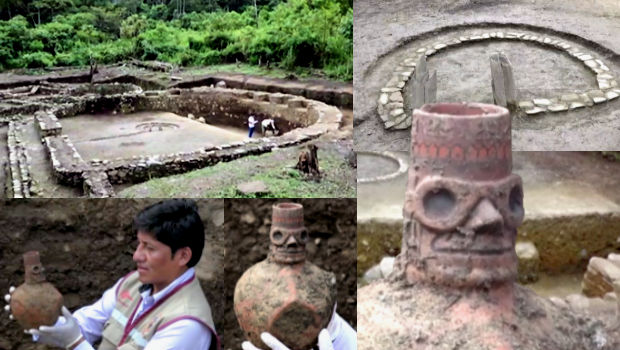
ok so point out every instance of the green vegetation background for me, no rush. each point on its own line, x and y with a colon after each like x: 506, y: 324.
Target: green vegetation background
x: 292, y: 34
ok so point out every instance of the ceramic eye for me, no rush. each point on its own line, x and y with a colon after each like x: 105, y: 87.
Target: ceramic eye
x: 277, y: 236
x: 304, y: 236
x: 515, y: 201
x: 438, y: 203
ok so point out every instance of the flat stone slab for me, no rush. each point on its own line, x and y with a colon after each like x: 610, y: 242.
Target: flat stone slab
x: 566, y: 198
x: 253, y: 188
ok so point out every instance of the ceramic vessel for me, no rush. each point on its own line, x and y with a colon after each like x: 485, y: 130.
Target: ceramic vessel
x: 36, y: 302
x: 285, y: 295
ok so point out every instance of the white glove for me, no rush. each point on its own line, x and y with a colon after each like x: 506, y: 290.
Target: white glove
x: 65, y: 333
x: 7, y: 298
x: 325, y: 342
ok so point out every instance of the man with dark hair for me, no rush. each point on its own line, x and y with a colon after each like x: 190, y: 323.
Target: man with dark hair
x: 159, y: 306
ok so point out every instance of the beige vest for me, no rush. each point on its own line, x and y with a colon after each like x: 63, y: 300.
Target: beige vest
x: 186, y: 301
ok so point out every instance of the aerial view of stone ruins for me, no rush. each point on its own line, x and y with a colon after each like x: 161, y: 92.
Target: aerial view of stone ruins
x: 555, y: 65
x: 64, y: 136
x: 166, y: 98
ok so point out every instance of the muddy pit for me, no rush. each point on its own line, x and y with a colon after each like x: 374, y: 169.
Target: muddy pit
x: 86, y: 246
x: 332, y: 229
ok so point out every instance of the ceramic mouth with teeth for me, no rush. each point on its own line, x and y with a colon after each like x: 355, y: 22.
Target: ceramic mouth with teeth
x: 496, y: 243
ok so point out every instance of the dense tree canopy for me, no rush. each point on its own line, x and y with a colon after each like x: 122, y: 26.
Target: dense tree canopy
x: 288, y: 34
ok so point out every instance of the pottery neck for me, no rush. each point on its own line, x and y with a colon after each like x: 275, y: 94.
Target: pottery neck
x: 33, y: 268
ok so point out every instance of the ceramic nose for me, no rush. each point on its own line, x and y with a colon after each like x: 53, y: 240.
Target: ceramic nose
x: 484, y: 215
x: 291, y: 241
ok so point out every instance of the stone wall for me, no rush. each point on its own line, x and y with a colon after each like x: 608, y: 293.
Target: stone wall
x: 67, y: 164
x: 19, y: 172
x: 86, y: 245
x: 139, y: 169
x: 298, y: 119
x: 334, y: 94
x: 59, y: 97
x: 47, y: 124
x: 390, y: 102
x: 96, y: 184
x: 232, y: 107
x: 307, y: 119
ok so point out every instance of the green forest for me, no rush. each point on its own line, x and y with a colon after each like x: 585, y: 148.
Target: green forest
x: 291, y: 34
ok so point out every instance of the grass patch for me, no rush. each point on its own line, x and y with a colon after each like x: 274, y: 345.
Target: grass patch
x: 274, y: 169
x: 243, y: 68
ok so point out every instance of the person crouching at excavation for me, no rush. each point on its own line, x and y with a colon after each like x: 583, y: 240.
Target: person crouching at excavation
x: 268, y: 125
x: 160, y: 305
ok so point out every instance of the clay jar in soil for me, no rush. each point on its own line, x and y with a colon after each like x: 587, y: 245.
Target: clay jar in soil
x: 285, y: 295
x: 36, y: 302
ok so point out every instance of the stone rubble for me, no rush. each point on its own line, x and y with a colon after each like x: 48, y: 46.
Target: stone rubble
x: 600, y: 276
x: 529, y: 262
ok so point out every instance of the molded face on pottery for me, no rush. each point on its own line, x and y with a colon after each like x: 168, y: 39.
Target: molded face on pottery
x: 288, y: 234
x: 288, y: 245
x: 292, y: 302
x: 444, y: 204
x: 478, y: 252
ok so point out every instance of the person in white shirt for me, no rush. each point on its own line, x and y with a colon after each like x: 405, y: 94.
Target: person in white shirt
x: 149, y: 308
x: 251, y: 125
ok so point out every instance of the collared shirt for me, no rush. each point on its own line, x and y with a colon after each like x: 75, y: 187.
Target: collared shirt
x: 181, y: 335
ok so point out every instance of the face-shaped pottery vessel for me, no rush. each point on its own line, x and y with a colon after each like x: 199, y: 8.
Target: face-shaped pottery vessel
x: 463, y: 205
x: 285, y: 295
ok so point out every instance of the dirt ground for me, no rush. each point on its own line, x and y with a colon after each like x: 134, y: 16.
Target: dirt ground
x: 332, y: 228
x: 384, y: 31
x: 396, y: 315
x: 86, y: 246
